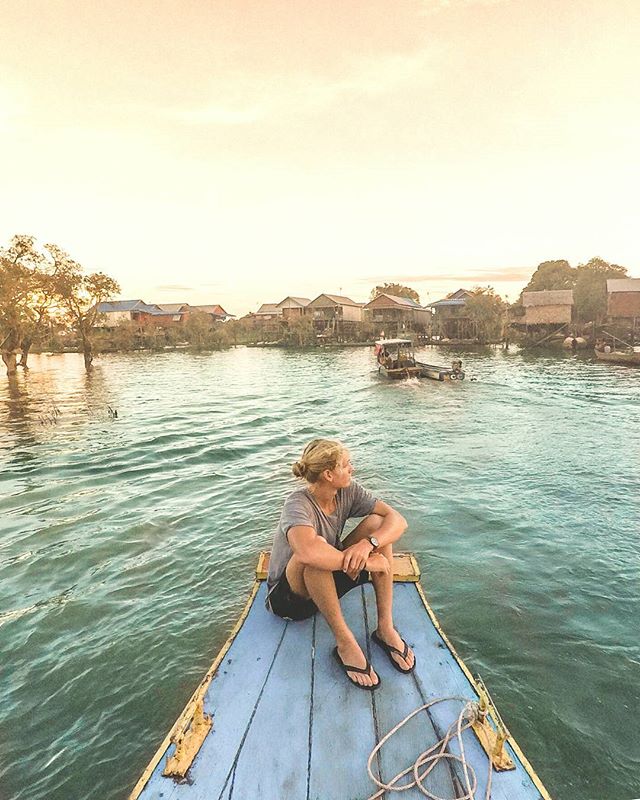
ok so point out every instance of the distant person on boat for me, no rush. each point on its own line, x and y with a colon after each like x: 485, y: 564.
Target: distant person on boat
x: 311, y: 567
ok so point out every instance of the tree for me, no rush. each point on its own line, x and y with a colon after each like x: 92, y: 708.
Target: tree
x: 590, y: 294
x: 552, y: 275
x: 80, y: 295
x: 197, y: 329
x: 42, y: 298
x: 301, y: 330
x: 396, y: 289
x: 17, y: 283
x: 487, y: 310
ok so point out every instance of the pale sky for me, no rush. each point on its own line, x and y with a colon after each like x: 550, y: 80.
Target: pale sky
x: 239, y: 151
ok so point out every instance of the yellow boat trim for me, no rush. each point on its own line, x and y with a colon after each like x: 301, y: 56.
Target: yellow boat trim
x: 184, y: 720
x: 512, y: 742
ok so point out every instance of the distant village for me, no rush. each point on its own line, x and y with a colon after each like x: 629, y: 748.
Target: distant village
x: 540, y: 316
x: 49, y: 303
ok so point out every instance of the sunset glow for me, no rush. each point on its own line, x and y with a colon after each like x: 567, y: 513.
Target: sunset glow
x: 238, y: 152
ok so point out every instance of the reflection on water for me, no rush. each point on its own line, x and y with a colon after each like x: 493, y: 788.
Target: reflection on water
x: 127, y: 545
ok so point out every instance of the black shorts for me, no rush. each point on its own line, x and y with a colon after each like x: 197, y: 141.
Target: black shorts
x: 284, y: 602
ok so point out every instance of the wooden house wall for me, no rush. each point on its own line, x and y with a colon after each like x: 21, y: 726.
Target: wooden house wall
x: 393, y: 314
x: 114, y: 318
x: 547, y: 315
x: 422, y: 317
x: 624, y: 304
x: 292, y: 313
x: 352, y: 313
x: 161, y: 319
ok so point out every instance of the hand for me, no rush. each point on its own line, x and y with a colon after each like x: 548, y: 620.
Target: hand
x: 355, y: 558
x: 378, y: 563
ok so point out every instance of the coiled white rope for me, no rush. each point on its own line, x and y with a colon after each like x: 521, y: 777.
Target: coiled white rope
x: 434, y: 755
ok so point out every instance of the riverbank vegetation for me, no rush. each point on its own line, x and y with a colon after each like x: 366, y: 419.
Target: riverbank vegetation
x: 49, y: 303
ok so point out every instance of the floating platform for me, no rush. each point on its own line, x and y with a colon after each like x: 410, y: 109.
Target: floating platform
x: 276, y: 719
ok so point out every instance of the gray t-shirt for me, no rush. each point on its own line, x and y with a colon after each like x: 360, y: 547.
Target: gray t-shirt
x: 301, y: 508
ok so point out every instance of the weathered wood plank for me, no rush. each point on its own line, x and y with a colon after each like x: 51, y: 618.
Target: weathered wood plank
x: 278, y: 692
x: 399, y: 696
x: 439, y: 675
x: 273, y: 762
x: 343, y: 732
x: 231, y: 699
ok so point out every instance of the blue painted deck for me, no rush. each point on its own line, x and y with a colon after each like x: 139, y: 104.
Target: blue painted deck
x: 288, y: 726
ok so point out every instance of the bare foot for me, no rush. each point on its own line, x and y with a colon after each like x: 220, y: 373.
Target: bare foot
x: 351, y: 654
x: 392, y: 637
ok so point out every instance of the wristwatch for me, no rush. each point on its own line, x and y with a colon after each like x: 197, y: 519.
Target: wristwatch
x: 374, y: 542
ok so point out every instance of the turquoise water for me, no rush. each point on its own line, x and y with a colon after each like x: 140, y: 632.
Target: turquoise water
x: 127, y: 545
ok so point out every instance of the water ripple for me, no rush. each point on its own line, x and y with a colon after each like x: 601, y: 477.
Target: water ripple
x: 128, y: 545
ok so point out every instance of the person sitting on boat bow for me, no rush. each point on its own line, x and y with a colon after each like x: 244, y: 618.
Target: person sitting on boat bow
x: 311, y: 567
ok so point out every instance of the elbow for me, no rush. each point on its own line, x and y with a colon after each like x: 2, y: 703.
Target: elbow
x: 403, y: 524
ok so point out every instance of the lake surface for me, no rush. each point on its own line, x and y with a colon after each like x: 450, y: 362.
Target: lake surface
x: 127, y: 546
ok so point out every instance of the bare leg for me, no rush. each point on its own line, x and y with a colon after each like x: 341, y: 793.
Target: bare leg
x: 318, y: 584
x: 383, y: 587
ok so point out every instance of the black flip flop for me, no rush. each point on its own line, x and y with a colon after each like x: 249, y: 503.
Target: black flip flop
x: 389, y: 649
x: 362, y: 670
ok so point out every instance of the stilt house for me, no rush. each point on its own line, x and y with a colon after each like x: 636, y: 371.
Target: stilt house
x: 550, y: 307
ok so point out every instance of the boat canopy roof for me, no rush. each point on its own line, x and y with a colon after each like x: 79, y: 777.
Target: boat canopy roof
x: 394, y: 341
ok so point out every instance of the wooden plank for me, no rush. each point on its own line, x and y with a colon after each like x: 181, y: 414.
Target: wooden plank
x: 405, y: 567
x: 166, y: 748
x: 231, y: 699
x: 343, y: 732
x: 254, y: 677
x: 439, y: 674
x: 400, y: 696
x: 273, y: 762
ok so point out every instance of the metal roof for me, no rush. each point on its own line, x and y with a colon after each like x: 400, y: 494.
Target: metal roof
x: 268, y: 308
x: 457, y: 298
x: 458, y: 301
x: 402, y: 301
x: 172, y: 308
x: 301, y: 301
x: 338, y: 299
x: 109, y: 306
x: 394, y: 341
x: 550, y: 297
x: 216, y: 309
x: 623, y: 285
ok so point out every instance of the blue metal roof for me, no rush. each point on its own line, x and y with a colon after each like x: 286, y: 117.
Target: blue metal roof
x: 123, y: 305
x: 456, y: 302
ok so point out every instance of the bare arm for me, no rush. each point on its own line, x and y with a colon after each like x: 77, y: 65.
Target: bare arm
x: 393, y: 523
x: 314, y: 551
x: 393, y: 526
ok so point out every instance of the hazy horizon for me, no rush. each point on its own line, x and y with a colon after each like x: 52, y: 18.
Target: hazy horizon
x: 236, y: 153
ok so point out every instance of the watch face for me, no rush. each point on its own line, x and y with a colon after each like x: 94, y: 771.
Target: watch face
x: 373, y: 541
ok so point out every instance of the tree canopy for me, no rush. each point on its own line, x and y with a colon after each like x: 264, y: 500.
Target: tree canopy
x: 35, y: 284
x: 552, y: 275
x: 396, y: 289
x: 487, y: 310
x: 590, y: 292
x: 588, y: 281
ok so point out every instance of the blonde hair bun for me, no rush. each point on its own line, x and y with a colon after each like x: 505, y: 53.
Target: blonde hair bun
x: 318, y: 456
x: 299, y: 469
